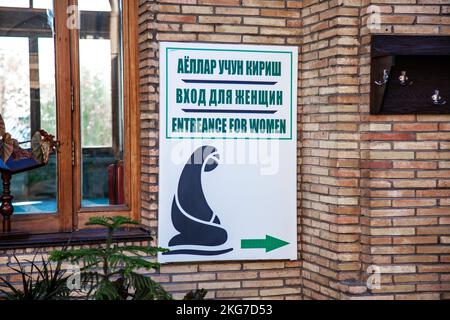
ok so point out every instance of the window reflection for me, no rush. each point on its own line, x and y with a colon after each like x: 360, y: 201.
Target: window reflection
x: 15, y: 103
x: 15, y: 3
x: 94, y: 5
x: 27, y: 96
x: 42, y: 4
x: 37, y: 4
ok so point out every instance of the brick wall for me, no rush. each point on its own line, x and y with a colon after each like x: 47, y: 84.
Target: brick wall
x: 375, y: 188
x: 404, y: 174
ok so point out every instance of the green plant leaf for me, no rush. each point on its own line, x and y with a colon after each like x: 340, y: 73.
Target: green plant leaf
x: 106, y: 290
x: 147, y: 289
x: 111, y: 222
x: 90, y: 256
x: 148, y: 251
x: 112, y: 271
x: 39, y: 282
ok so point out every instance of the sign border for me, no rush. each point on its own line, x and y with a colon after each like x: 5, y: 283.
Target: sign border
x: 226, y: 50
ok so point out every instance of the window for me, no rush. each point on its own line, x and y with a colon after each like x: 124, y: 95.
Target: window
x: 80, y: 85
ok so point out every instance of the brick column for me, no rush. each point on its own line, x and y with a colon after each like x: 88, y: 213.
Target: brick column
x: 331, y: 147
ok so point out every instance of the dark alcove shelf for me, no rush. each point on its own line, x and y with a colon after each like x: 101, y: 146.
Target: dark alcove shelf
x: 426, y: 61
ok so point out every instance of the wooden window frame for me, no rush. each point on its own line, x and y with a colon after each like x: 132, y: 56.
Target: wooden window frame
x: 70, y: 216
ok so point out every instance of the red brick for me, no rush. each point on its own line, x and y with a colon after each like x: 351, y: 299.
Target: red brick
x: 388, y: 136
x: 414, y: 127
x: 414, y: 165
x: 414, y: 203
x: 433, y: 193
x: 415, y: 183
x: 377, y: 164
x: 433, y: 211
x: 280, y: 13
x: 220, y: 2
x: 434, y: 136
x: 433, y: 287
x: 179, y: 1
x: 433, y: 230
x: 176, y: 18
x: 416, y: 258
x: 415, y: 240
x: 264, y: 3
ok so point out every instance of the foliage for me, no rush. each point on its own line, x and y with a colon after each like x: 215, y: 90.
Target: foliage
x: 198, y: 294
x: 42, y: 145
x: 39, y: 283
x: 111, y: 272
x: 14, y: 85
x: 96, y: 112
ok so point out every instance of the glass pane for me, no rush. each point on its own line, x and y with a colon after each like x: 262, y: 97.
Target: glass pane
x: 101, y: 103
x: 27, y: 97
x: 43, y: 4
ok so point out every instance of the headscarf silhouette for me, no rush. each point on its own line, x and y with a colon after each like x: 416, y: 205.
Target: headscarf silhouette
x: 192, y: 217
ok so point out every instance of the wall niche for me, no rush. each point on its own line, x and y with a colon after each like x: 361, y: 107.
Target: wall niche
x: 410, y: 75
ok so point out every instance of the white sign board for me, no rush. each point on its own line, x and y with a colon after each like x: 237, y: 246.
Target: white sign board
x: 228, y: 152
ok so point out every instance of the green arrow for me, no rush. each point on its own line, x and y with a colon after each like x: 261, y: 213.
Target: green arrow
x: 269, y: 243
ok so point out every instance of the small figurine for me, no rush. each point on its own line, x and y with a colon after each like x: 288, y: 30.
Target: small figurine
x: 404, y: 80
x: 437, y: 99
x: 385, y: 78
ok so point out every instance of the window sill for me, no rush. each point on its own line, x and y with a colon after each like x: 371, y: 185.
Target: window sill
x: 81, y: 237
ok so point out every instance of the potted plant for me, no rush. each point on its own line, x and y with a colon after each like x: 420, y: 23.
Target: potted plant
x: 15, y: 159
x: 112, y: 271
x: 40, y: 280
x: 109, y: 271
